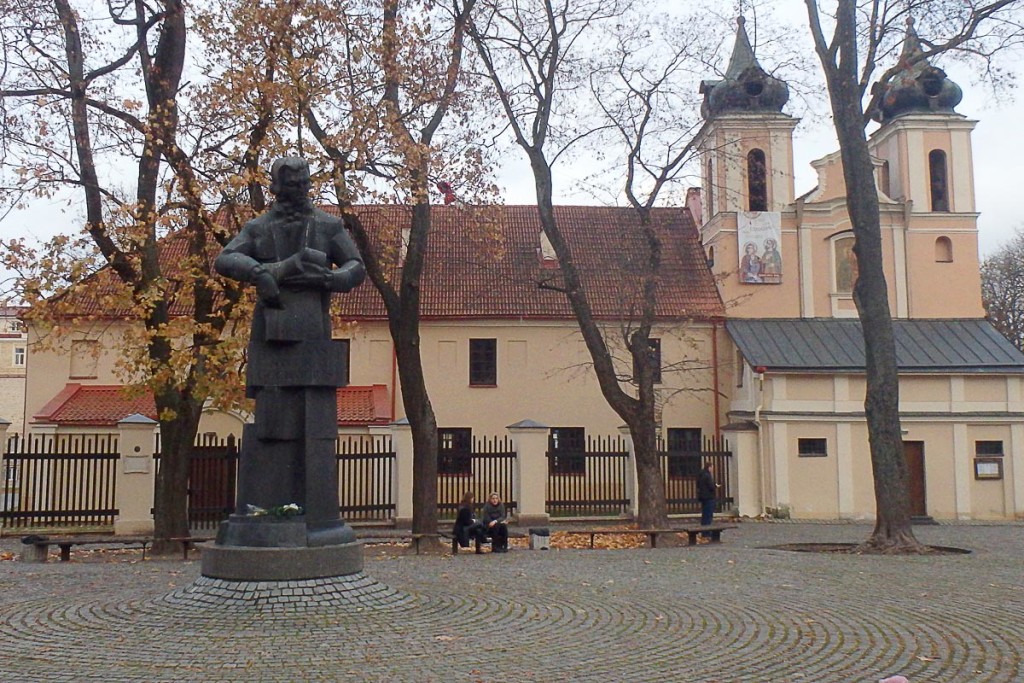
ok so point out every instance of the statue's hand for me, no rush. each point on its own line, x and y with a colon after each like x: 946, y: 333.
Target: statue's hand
x: 282, y: 270
x: 312, y: 276
x: 266, y: 288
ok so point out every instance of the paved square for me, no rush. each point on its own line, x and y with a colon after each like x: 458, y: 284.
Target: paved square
x: 734, y: 612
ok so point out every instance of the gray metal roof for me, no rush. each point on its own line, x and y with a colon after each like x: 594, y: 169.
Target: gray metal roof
x: 837, y: 345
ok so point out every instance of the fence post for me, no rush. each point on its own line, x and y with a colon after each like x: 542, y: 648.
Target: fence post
x: 134, y: 478
x: 530, y: 480
x: 401, y: 440
x: 632, y: 485
x: 4, y: 497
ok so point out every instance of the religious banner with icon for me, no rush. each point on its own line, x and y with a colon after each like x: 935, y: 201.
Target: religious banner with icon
x: 760, y: 239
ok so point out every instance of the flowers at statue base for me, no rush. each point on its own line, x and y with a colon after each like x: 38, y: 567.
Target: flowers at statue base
x: 287, y: 510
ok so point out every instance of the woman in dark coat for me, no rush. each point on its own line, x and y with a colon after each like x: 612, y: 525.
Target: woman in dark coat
x: 495, y: 523
x: 466, y: 527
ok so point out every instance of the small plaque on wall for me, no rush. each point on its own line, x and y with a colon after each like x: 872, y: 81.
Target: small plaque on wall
x: 134, y: 464
x: 988, y: 468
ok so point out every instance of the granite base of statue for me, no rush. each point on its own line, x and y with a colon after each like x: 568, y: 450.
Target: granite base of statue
x: 286, y: 524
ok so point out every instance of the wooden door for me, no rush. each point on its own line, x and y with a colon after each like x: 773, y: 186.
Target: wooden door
x: 913, y: 451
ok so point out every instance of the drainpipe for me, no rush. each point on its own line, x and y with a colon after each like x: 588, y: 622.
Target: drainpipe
x: 394, y: 379
x: 717, y: 392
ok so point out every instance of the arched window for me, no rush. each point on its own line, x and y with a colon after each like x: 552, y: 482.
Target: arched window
x: 943, y: 250
x: 937, y: 175
x: 757, y: 181
x: 711, y: 257
x: 845, y: 264
x: 711, y: 190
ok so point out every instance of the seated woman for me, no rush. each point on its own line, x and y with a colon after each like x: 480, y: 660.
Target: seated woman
x: 466, y: 527
x: 495, y: 523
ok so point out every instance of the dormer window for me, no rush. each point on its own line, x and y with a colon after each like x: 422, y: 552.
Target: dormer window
x: 938, y: 178
x: 757, y: 181
x: 548, y: 257
x: 943, y: 250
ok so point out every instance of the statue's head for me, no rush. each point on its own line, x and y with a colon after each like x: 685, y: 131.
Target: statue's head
x: 289, y: 178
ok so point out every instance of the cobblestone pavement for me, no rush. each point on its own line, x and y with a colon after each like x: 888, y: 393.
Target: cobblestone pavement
x: 721, y: 613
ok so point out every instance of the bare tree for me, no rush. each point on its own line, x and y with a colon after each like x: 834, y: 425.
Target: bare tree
x: 1002, y: 289
x: 393, y: 137
x: 536, y: 56
x: 864, y: 33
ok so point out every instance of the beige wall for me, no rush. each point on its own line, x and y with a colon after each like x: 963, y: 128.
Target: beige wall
x: 543, y: 375
x: 948, y: 414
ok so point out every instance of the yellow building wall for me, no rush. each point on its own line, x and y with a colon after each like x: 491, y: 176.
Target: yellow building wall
x: 947, y: 414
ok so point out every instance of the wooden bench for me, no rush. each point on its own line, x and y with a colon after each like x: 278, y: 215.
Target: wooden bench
x: 714, y: 532
x: 477, y: 543
x: 40, y: 545
x: 37, y: 548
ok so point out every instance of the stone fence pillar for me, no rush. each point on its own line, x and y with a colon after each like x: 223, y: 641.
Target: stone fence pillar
x: 136, y: 474
x: 531, y: 472
x: 401, y: 441
x: 745, y: 470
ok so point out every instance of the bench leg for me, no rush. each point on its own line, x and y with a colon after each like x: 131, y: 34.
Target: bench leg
x: 716, y: 536
x: 654, y: 540
x: 35, y: 552
x: 592, y: 541
x: 691, y: 537
x: 65, y: 552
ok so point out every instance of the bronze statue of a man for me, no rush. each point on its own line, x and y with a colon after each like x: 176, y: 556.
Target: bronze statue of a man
x: 297, y: 256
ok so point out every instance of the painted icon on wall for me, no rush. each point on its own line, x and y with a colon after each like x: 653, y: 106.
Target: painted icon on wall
x: 759, y: 234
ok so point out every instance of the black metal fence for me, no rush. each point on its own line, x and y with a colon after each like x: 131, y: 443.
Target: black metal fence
x: 679, y: 470
x: 488, y: 467
x: 59, y: 480
x: 589, y: 482
x: 366, y: 472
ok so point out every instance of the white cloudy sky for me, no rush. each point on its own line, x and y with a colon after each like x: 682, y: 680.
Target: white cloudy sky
x: 998, y: 158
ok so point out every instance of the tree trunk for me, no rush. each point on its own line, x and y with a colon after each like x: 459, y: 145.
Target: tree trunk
x: 177, y: 437
x: 637, y: 413
x: 893, y: 531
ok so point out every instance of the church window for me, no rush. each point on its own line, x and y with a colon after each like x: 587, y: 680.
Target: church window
x: 757, y: 181
x: 943, y: 250
x: 937, y: 176
x: 845, y: 265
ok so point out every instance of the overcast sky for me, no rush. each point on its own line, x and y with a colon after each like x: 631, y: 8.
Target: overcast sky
x: 998, y: 146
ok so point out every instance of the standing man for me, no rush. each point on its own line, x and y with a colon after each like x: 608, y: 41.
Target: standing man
x: 297, y: 256
x: 707, y: 490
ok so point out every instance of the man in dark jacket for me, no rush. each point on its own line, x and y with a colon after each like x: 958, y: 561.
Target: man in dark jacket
x: 707, y: 489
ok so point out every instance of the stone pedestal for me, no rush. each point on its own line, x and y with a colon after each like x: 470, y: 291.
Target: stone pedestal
x: 244, y: 563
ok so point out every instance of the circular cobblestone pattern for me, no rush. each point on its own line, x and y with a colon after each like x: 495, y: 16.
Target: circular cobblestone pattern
x: 722, y: 613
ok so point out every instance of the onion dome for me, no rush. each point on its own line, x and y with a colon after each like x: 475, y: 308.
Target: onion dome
x: 746, y: 88
x: 917, y: 87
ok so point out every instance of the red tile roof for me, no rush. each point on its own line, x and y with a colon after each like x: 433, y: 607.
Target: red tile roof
x: 363, y: 405
x: 485, y: 263
x: 94, y: 405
